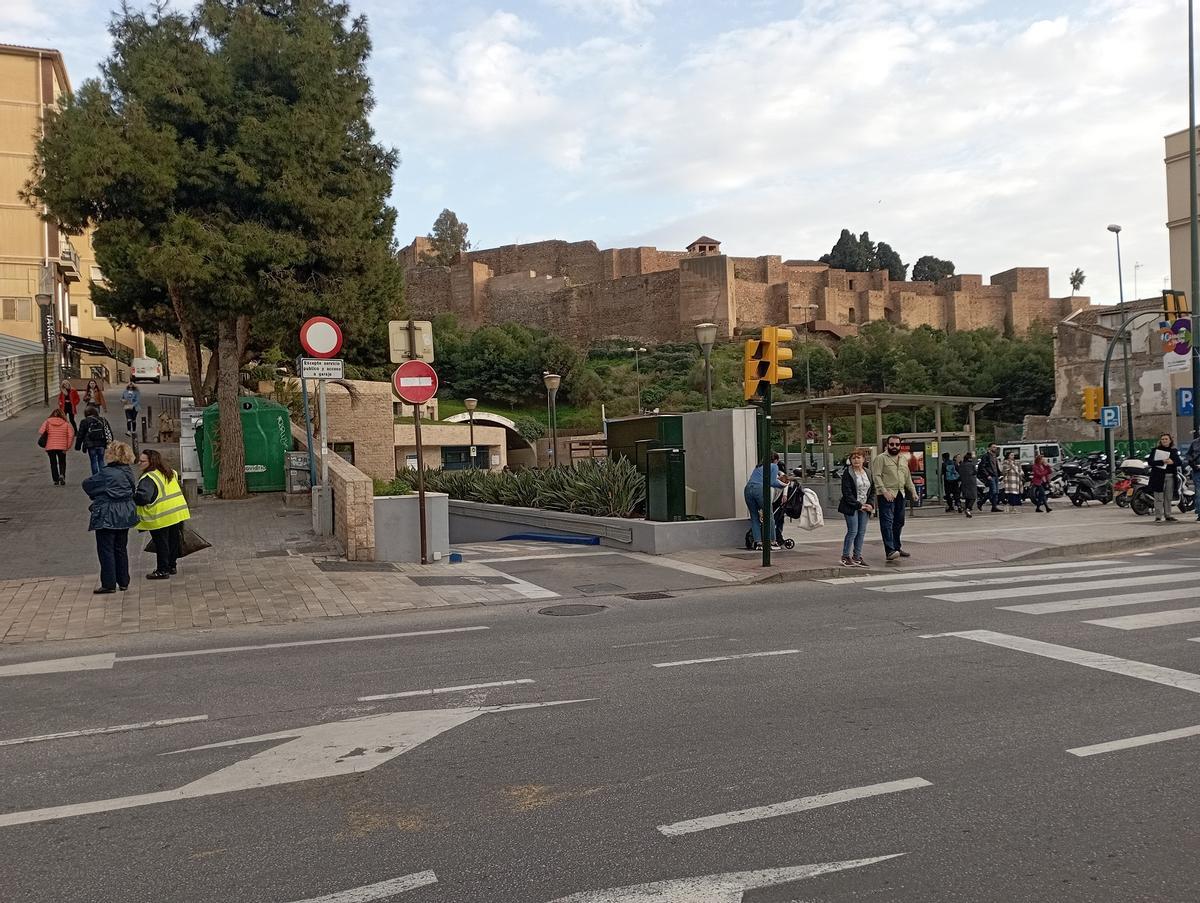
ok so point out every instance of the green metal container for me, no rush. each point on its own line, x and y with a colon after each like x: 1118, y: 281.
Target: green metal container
x: 666, y: 485
x: 629, y: 437
x: 266, y: 436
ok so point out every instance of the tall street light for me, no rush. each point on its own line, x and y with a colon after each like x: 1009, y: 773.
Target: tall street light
x: 552, y: 381
x: 637, y: 365
x: 1195, y: 229
x: 1116, y: 230
x: 706, y: 335
x: 471, y: 404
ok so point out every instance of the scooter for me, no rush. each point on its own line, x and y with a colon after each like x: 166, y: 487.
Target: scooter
x: 1088, y: 486
x: 1142, y: 502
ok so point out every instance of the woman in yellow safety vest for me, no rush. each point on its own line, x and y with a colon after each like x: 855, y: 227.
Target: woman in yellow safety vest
x: 161, y: 510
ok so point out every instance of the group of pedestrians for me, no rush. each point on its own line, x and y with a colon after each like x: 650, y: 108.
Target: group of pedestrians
x: 1004, y: 481
x: 151, y: 500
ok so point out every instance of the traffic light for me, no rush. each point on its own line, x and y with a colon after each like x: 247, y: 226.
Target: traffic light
x: 1093, y: 401
x: 754, y: 367
x: 773, y: 338
x: 1175, y: 303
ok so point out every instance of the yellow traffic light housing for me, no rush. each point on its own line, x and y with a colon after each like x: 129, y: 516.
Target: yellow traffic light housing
x: 1175, y: 303
x: 755, y: 366
x: 774, y: 337
x: 1093, y: 401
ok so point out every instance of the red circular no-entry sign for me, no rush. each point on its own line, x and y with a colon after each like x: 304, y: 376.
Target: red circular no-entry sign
x: 415, y: 382
x: 321, y: 337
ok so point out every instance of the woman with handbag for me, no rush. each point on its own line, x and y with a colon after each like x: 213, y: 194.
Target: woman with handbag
x: 162, y: 510
x: 856, y: 505
x: 68, y: 401
x: 56, y: 435
x: 94, y: 395
x: 112, y: 514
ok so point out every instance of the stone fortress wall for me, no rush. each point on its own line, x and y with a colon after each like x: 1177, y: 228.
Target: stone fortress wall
x: 578, y: 290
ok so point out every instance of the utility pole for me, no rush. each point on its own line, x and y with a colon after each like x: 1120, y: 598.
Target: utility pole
x: 1195, y: 229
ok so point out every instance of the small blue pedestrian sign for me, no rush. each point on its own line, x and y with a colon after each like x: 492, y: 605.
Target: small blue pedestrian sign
x: 1110, y: 416
x: 1185, y: 400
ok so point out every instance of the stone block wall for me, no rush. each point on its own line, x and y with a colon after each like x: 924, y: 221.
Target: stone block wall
x: 362, y: 415
x: 353, y: 505
x: 646, y: 306
x: 706, y: 294
x: 427, y: 291
x: 579, y: 260
x: 535, y: 300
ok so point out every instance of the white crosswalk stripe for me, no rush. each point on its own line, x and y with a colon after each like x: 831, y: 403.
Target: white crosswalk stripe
x: 1026, y: 578
x: 1089, y: 602
x: 1085, y: 586
x: 1150, y: 619
x: 969, y: 572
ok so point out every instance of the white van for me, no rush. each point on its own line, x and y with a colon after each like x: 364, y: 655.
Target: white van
x: 1051, y: 451
x: 145, y: 368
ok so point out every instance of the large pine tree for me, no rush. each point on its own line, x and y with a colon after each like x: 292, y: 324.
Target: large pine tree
x: 227, y: 164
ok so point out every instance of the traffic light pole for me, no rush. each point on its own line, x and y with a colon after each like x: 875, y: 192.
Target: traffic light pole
x: 768, y: 530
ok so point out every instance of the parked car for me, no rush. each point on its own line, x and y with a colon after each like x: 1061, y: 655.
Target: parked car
x: 145, y: 368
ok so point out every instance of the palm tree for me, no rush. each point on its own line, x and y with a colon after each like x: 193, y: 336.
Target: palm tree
x: 1077, y: 279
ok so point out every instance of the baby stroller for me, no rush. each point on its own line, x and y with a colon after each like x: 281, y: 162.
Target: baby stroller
x: 792, y: 496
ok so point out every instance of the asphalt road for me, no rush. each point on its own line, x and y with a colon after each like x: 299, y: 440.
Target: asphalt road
x: 868, y: 734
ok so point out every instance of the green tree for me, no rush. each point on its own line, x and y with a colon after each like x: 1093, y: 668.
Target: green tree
x: 861, y: 255
x: 227, y: 164
x: 1077, y: 278
x: 449, y: 239
x: 887, y: 259
x: 931, y: 269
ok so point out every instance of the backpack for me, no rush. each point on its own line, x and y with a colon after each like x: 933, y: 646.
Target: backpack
x: 793, y: 505
x: 92, y: 440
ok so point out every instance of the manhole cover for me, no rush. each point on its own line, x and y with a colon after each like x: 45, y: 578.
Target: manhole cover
x: 596, y: 589
x: 272, y: 553
x: 566, y: 611
x: 646, y: 597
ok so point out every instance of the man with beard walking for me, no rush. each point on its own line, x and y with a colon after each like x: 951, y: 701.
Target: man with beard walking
x: 892, y: 479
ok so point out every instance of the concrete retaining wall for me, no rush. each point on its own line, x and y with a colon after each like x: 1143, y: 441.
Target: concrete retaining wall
x: 397, y: 530
x: 353, y: 505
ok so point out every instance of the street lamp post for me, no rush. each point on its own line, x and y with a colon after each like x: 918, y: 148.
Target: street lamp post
x: 637, y: 366
x: 1195, y: 228
x: 1116, y: 230
x: 552, y: 381
x: 471, y: 404
x: 706, y: 335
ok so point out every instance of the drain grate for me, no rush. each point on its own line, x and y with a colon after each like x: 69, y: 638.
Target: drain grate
x: 571, y: 610
x: 646, y: 597
x: 353, y: 566
x: 470, y: 580
x: 597, y: 589
x: 272, y: 553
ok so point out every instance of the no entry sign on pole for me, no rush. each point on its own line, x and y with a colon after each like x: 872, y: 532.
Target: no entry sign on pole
x: 321, y: 337
x: 415, y: 382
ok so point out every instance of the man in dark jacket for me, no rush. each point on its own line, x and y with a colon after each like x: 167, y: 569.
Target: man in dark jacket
x: 989, y: 472
x: 93, y: 437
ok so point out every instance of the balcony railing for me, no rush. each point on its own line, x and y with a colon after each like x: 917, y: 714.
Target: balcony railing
x: 68, y: 263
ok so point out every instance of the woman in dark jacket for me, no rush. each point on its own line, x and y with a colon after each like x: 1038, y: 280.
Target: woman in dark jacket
x: 113, y: 514
x: 1164, y: 470
x: 856, y: 505
x: 967, y: 482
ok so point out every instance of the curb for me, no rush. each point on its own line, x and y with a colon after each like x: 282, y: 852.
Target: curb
x: 1099, y: 547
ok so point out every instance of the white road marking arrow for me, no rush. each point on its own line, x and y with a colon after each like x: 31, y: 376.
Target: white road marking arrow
x: 315, y: 751
x: 725, y: 888
x: 380, y: 891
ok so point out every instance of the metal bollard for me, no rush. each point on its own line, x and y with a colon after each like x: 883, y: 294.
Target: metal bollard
x: 143, y: 430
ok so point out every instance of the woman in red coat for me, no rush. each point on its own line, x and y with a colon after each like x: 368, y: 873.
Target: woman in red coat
x: 68, y: 401
x: 1041, y: 483
x: 59, y: 436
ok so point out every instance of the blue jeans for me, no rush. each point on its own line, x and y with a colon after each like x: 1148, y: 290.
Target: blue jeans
x: 856, y: 530
x: 96, y: 459
x: 112, y: 548
x: 891, y: 521
x: 754, y: 503
x: 993, y: 484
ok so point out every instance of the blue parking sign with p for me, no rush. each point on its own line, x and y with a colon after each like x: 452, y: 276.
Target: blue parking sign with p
x: 1185, y: 401
x: 1110, y: 416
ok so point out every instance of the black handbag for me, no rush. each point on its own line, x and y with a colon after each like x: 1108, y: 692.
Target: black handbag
x: 43, y: 437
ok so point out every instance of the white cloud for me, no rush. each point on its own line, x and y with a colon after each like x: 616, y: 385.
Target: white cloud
x: 1044, y: 31
x: 627, y: 13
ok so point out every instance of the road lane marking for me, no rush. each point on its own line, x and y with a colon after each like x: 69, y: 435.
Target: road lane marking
x: 1026, y: 578
x: 682, y: 639
x: 721, y: 888
x: 1061, y: 605
x: 1150, y: 619
x: 1169, y: 677
x: 406, y: 694
x: 310, y: 752
x: 1131, y: 742
x: 379, y: 891
x: 791, y: 807
x: 222, y: 650
x: 1018, y: 592
x: 101, y: 662
x: 724, y: 658
x: 966, y: 572
x: 111, y: 729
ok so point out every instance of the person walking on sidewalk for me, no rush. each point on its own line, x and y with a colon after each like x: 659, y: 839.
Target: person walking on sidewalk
x: 1164, y: 468
x: 968, y: 481
x: 950, y: 481
x: 856, y: 505
x: 68, y: 401
x: 989, y: 471
x: 94, y: 395
x: 1013, y: 477
x: 132, y: 399
x: 93, y: 437
x: 1192, y: 457
x: 113, y: 513
x: 59, y: 434
x: 892, y: 480
x: 161, y: 510
x: 1041, y: 483
x: 756, y: 504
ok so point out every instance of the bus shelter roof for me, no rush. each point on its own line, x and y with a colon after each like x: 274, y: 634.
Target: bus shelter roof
x: 849, y: 405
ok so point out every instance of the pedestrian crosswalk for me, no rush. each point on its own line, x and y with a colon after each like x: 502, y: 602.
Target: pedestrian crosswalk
x: 1063, y: 588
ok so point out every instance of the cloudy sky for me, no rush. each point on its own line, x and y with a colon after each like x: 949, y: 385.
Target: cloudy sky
x: 996, y: 133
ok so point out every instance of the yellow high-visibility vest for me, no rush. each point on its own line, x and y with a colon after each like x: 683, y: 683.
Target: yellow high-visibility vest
x: 169, y: 506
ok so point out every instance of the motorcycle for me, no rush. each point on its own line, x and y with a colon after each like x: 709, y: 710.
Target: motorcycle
x: 1123, y: 491
x: 1142, y: 502
x: 1088, y: 483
